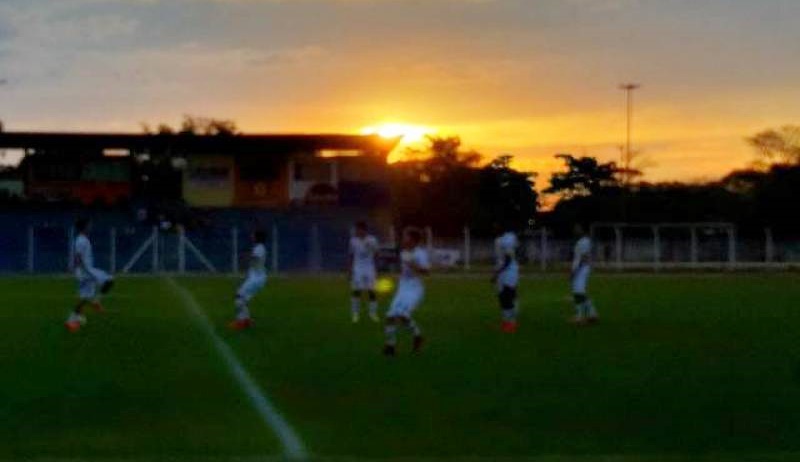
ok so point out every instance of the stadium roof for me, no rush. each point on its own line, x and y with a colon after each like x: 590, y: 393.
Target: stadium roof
x: 182, y: 143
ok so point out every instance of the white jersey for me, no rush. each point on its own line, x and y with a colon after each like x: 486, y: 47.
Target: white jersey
x: 256, y: 274
x: 363, y: 251
x: 418, y: 257
x: 410, y: 290
x: 582, y: 255
x: 89, y: 277
x: 364, y: 273
x: 258, y: 261
x: 505, y: 247
x: 84, y: 260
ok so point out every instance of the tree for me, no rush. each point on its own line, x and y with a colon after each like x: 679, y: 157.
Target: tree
x: 743, y: 182
x: 194, y: 125
x: 443, y: 155
x: 780, y: 145
x: 505, y: 196
x: 585, y: 176
x: 771, y: 194
x: 445, y: 187
x: 437, y: 187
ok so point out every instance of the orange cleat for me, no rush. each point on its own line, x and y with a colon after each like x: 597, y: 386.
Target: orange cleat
x: 241, y: 324
x: 73, y: 326
x: 509, y: 327
x: 98, y: 308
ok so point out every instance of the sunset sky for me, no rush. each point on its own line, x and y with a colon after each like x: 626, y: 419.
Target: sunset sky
x: 526, y: 77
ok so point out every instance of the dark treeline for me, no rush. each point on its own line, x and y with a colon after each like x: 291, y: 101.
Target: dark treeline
x: 749, y: 198
x: 448, y: 188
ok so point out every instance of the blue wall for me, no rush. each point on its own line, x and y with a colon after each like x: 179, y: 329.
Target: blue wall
x: 210, y: 232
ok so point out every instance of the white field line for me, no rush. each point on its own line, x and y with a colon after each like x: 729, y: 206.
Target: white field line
x: 293, y: 447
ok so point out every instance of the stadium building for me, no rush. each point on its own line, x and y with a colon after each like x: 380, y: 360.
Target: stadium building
x: 272, y: 171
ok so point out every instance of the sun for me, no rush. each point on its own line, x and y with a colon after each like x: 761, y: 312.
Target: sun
x: 408, y: 133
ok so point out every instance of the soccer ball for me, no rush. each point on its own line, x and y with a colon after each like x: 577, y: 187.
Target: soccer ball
x: 384, y: 285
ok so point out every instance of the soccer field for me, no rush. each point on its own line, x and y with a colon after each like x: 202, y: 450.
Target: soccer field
x: 680, y: 368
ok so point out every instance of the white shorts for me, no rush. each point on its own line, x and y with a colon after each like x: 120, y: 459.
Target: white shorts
x: 581, y: 279
x: 363, y: 279
x: 87, y: 288
x: 509, y: 277
x: 405, y: 301
x: 89, y: 281
x: 251, y: 286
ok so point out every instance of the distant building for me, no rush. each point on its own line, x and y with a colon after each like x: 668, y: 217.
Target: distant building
x: 205, y: 171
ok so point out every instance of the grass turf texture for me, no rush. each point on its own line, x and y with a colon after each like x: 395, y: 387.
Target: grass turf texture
x: 682, y: 367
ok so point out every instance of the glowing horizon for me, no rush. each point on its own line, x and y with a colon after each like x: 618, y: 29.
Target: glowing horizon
x: 542, y: 79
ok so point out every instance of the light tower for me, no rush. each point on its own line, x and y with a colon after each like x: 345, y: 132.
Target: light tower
x: 627, y: 155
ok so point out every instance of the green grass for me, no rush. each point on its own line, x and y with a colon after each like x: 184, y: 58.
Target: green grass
x: 682, y: 367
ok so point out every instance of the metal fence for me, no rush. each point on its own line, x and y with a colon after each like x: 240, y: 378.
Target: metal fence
x: 302, y: 246
x: 291, y: 247
x: 651, y: 247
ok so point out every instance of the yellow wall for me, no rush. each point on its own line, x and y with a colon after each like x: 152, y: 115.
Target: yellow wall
x: 208, y: 181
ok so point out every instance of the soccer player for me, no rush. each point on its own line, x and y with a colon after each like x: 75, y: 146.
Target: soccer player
x: 253, y: 283
x: 506, y: 277
x: 89, y: 278
x: 410, y: 290
x: 363, y: 249
x: 585, y: 312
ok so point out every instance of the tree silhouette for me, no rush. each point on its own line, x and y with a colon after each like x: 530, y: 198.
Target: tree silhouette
x: 585, y: 176
x: 437, y: 186
x: 443, y: 155
x: 780, y: 145
x: 195, y: 125
x: 769, y: 194
x: 445, y: 187
x: 506, y: 196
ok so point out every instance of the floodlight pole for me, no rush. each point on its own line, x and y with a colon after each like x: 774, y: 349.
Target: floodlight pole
x: 628, y: 88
